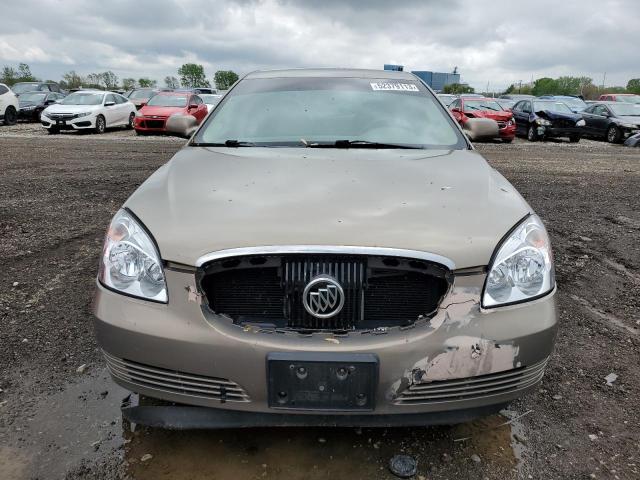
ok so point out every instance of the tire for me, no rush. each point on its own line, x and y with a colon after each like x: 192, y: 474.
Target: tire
x: 53, y: 130
x: 574, y: 138
x: 507, y: 140
x: 10, y: 115
x: 132, y: 118
x: 614, y: 135
x: 532, y: 135
x: 101, y: 124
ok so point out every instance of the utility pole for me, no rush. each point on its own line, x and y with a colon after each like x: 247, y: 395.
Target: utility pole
x: 604, y: 76
x: 519, y: 86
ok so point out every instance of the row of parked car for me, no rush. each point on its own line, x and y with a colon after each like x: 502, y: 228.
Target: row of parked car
x: 614, y: 118
x: 144, y: 109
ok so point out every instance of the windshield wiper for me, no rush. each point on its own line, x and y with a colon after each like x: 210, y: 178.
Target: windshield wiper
x: 227, y: 143
x: 359, y: 144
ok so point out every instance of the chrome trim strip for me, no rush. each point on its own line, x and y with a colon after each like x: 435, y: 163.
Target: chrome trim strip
x: 328, y: 249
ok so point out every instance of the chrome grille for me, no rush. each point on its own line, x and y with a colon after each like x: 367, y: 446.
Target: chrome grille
x: 472, y: 387
x: 267, y: 291
x: 172, y: 381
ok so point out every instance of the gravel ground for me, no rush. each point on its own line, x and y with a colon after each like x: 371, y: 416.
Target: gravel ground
x: 59, y: 411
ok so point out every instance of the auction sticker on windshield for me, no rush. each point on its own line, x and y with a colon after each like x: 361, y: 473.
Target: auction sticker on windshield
x: 404, y: 87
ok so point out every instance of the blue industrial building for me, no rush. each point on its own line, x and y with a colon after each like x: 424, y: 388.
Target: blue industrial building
x: 436, y: 80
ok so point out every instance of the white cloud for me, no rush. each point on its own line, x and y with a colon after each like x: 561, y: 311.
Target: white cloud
x: 498, y: 41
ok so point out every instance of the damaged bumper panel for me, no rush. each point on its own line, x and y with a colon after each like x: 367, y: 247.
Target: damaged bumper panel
x: 459, y: 362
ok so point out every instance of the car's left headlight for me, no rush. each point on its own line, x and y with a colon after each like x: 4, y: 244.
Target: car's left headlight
x: 542, y: 121
x: 522, y: 268
x: 581, y: 123
x: 130, y: 261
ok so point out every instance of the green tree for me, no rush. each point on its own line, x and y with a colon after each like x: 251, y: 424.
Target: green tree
x: 224, y: 79
x: 94, y: 80
x: 145, y: 82
x: 633, y: 85
x: 192, y: 75
x: 171, y: 82
x: 457, y: 88
x: 545, y: 86
x: 568, y: 85
x: 72, y: 79
x: 9, y: 75
x: 109, y: 79
x: 128, y: 83
x: 24, y: 73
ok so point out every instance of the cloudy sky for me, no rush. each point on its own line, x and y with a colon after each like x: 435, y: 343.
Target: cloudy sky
x: 493, y: 41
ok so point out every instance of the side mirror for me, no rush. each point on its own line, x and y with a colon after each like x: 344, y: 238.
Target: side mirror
x: 182, y: 125
x: 109, y: 104
x: 192, y: 106
x: 456, y: 110
x: 478, y: 129
x: 50, y: 102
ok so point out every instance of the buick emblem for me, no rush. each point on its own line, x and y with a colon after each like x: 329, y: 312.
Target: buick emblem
x: 323, y: 297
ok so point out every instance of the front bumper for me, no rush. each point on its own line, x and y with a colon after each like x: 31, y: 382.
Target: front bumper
x: 150, y: 124
x: 69, y: 124
x: 555, y: 132
x: 32, y: 115
x: 463, y: 359
x: 508, y: 132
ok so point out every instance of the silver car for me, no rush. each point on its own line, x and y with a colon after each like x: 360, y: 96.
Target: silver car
x: 326, y: 249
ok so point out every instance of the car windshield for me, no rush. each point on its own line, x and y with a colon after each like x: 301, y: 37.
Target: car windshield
x: 209, y: 98
x: 168, y: 101
x: 32, y: 97
x: 573, y: 102
x: 629, y: 98
x: 625, y: 109
x: 138, y: 94
x: 322, y: 111
x: 505, y: 103
x: 20, y: 88
x: 558, y: 107
x: 83, y: 98
x: 482, y: 105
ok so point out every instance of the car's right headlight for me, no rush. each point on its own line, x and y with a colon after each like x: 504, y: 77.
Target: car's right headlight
x: 522, y: 268
x: 83, y: 114
x: 130, y: 261
x: 542, y: 121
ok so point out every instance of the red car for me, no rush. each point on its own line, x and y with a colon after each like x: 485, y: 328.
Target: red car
x: 620, y: 97
x: 463, y: 109
x: 153, y: 116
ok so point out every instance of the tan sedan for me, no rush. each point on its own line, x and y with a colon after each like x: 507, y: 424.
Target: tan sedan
x: 327, y: 249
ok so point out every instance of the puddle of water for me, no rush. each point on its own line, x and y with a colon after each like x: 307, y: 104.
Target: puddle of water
x: 82, y: 423
x: 315, y: 453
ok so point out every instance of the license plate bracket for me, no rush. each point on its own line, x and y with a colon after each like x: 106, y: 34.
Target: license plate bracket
x: 322, y: 381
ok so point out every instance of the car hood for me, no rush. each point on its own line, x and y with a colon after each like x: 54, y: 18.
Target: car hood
x: 160, y: 111
x: 451, y: 203
x: 634, y: 119
x: 502, y: 116
x: 551, y: 115
x: 25, y: 103
x: 72, y: 108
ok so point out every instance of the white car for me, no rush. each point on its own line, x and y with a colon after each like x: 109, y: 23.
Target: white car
x: 89, y: 110
x: 210, y: 100
x: 8, y: 105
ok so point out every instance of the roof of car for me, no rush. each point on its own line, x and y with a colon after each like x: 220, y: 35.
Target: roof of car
x: 331, y: 72
x: 174, y: 94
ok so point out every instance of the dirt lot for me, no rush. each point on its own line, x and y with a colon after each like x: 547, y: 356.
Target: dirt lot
x: 59, y: 412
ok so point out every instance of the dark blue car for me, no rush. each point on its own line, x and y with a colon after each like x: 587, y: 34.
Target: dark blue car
x: 542, y: 119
